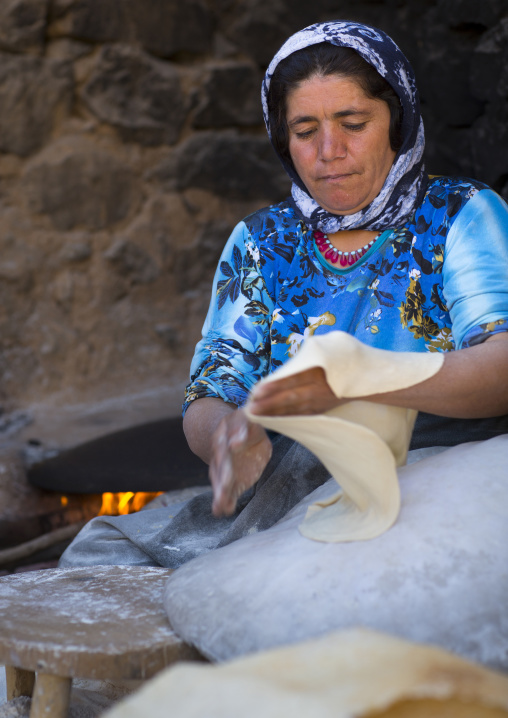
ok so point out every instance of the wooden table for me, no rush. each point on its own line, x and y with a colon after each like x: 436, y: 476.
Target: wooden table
x: 102, y: 622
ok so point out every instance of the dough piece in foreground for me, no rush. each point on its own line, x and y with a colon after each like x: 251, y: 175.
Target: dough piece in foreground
x: 346, y: 674
x: 360, y: 443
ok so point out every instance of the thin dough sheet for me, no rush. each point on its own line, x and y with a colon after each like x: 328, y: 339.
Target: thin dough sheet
x: 361, y: 443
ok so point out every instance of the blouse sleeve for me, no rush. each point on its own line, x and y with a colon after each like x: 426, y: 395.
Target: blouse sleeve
x: 475, y: 269
x: 234, y: 352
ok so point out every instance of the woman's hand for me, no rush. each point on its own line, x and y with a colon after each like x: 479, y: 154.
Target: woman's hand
x: 240, y: 452
x: 471, y: 384
x: 303, y: 393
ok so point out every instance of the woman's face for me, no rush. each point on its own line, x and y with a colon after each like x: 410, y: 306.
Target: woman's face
x: 339, y: 142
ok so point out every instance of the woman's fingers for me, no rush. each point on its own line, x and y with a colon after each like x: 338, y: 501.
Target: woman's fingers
x: 310, y: 376
x: 241, y: 451
x: 220, y: 466
x: 304, y: 393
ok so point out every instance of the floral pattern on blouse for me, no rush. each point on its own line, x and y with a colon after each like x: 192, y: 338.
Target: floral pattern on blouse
x: 412, y: 291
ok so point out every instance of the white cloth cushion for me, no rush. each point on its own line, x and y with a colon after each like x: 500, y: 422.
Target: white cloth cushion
x: 439, y: 575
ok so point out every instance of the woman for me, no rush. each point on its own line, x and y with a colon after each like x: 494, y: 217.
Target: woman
x: 354, y: 153
x: 367, y: 244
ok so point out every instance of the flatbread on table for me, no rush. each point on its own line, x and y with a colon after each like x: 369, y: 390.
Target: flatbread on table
x: 349, y: 674
x: 361, y: 443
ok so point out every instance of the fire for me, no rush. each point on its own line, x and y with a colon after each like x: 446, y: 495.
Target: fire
x: 125, y: 503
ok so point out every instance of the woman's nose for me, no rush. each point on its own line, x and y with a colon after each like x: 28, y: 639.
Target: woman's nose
x: 332, y: 145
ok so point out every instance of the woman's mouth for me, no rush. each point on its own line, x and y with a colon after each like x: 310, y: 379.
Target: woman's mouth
x: 335, y: 177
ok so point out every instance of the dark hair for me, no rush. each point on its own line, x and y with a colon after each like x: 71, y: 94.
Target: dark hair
x: 324, y: 59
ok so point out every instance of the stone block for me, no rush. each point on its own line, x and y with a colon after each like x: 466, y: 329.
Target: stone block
x: 163, y: 27
x: 65, y: 49
x: 230, y: 97
x: 22, y: 25
x: 91, y: 20
x: 448, y: 149
x: 77, y: 183
x: 169, y: 335
x: 34, y: 94
x: 471, y: 12
x: 139, y: 95
x: 77, y: 249
x: 196, y: 263
x: 260, y: 27
x: 444, y: 84
x: 18, y: 263
x: 489, y: 66
x: 228, y: 164
x: 132, y: 262
x: 444, y: 71
x: 490, y: 147
x: 17, y: 270
x: 166, y: 27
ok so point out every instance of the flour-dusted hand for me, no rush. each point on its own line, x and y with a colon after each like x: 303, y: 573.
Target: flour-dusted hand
x: 240, y: 452
x: 304, y: 393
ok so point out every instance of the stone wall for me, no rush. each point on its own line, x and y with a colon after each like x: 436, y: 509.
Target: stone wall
x: 131, y: 142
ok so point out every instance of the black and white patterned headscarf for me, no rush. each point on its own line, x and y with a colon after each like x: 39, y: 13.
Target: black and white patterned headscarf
x: 406, y: 182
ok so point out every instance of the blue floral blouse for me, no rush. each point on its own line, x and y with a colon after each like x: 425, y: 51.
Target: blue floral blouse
x: 438, y: 283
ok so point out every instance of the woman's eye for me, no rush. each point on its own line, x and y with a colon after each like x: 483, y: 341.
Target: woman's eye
x: 355, y: 128
x: 305, y: 134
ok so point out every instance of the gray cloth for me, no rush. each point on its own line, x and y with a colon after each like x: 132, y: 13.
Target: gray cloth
x: 173, y: 535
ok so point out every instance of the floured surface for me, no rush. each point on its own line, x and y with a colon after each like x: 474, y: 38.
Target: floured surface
x: 360, y: 443
x: 440, y: 575
x: 102, y: 622
x: 339, y: 676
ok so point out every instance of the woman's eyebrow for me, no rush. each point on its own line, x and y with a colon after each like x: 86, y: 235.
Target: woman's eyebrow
x: 347, y: 113
x: 342, y: 113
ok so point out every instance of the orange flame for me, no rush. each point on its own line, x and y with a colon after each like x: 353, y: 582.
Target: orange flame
x: 125, y: 503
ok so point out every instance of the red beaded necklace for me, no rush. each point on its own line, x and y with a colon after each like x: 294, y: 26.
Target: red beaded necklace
x: 333, y: 255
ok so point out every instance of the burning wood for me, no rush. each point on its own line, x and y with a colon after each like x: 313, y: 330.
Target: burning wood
x: 112, y: 505
x: 126, y: 502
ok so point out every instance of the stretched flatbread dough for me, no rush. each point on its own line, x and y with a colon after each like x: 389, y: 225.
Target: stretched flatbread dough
x: 360, y: 443
x: 343, y: 675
